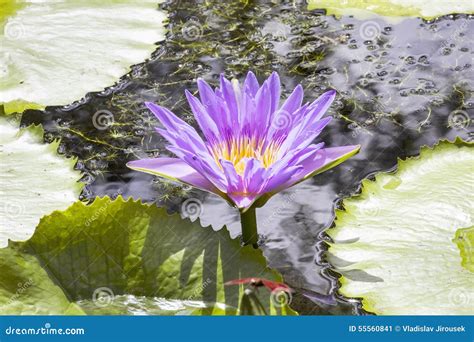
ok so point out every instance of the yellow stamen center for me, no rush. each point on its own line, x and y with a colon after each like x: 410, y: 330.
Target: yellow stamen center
x: 244, y: 147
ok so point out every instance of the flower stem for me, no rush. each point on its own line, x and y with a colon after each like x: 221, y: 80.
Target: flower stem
x: 248, y: 220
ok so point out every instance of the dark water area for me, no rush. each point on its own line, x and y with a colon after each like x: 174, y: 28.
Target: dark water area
x: 401, y: 85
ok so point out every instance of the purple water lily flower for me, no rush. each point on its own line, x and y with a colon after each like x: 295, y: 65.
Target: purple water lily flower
x: 253, y: 147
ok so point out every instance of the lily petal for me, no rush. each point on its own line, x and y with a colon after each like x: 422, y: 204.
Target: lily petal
x: 293, y: 102
x: 243, y: 201
x: 175, y: 125
x: 251, y: 84
x: 205, y: 121
x: 174, y: 169
x: 274, y: 85
x: 323, y: 160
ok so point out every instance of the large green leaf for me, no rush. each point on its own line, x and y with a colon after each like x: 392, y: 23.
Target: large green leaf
x: 54, y: 52
x: 34, y: 180
x: 396, y: 244
x: 394, y: 8
x: 125, y: 257
x: 26, y: 288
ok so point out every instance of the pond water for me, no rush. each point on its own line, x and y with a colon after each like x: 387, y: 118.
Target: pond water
x: 401, y: 85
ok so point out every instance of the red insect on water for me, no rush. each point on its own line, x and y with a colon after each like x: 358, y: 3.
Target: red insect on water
x: 259, y: 282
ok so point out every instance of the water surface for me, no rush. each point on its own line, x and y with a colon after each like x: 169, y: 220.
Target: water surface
x: 400, y: 86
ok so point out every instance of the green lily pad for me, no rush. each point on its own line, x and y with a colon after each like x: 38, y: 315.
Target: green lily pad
x: 27, y: 289
x: 54, y: 52
x: 125, y: 257
x: 426, y: 9
x: 394, y: 244
x: 34, y: 180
